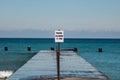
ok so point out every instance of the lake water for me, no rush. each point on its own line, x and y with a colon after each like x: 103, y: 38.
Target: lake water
x: 107, y: 62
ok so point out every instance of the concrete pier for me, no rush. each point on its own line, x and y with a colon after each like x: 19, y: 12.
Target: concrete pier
x: 43, y: 67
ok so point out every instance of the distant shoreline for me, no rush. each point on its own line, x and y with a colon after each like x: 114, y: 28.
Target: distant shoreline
x: 52, y: 38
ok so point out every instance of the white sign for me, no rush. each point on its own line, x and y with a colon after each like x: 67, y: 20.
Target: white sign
x: 59, y: 36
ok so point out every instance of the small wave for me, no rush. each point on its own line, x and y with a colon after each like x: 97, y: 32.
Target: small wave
x: 5, y: 74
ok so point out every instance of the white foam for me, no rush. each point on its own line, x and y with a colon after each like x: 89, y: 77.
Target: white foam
x: 4, y: 74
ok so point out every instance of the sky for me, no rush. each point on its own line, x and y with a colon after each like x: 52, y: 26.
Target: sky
x: 78, y: 18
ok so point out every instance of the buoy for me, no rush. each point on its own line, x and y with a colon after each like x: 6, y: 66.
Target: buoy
x: 52, y: 49
x: 100, y: 50
x: 75, y: 49
x: 6, y: 48
x: 29, y: 48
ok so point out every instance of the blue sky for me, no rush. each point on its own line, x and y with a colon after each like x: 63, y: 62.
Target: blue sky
x: 78, y: 18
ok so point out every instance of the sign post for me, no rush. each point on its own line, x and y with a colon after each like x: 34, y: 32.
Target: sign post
x: 59, y: 37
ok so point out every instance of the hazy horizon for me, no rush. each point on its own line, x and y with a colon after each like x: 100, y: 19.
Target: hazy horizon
x: 50, y: 34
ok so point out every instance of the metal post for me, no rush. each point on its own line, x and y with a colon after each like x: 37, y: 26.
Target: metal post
x: 58, y: 61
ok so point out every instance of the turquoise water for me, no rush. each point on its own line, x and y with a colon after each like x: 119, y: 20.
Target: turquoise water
x: 107, y: 62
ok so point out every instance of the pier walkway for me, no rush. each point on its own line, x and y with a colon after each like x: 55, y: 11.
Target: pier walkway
x: 43, y: 65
